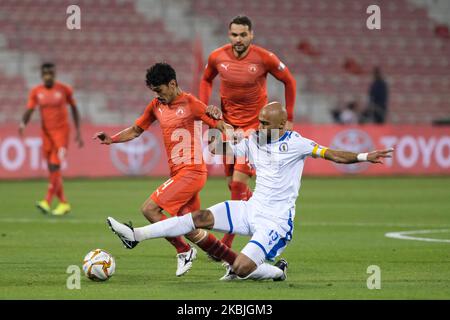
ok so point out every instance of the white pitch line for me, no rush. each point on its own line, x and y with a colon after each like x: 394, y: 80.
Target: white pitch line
x: 51, y: 219
x: 404, y: 235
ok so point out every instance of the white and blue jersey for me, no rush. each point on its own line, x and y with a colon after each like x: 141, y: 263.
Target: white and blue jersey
x: 268, y: 215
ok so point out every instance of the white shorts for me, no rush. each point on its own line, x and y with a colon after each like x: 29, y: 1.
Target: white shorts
x: 270, y: 235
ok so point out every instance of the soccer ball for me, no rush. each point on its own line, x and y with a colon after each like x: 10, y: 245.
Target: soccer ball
x: 99, y: 265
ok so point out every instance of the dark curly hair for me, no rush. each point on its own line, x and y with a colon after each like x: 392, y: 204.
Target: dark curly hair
x: 160, y: 73
x: 242, y: 20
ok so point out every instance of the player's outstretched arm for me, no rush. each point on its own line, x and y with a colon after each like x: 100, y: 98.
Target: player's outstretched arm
x: 125, y: 135
x: 347, y: 157
x: 25, y: 119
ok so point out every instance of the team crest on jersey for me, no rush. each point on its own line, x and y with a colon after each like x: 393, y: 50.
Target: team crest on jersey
x: 180, y: 112
x: 284, y: 147
x: 253, y: 68
x: 58, y: 95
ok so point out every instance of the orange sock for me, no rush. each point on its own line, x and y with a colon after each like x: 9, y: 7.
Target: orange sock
x: 52, y: 185
x: 59, y: 186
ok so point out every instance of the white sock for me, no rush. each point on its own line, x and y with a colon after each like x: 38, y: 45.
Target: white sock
x: 265, y: 271
x: 172, y: 227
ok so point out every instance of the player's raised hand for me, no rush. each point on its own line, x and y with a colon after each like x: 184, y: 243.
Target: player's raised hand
x: 378, y: 155
x: 214, y: 112
x: 103, y: 137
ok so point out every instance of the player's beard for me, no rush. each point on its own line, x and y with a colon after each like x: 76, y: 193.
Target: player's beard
x: 242, y: 48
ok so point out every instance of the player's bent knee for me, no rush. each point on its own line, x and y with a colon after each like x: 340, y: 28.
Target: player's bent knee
x: 151, y: 212
x: 203, y: 219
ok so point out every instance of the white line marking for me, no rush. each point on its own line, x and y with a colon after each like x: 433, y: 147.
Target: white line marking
x: 51, y: 219
x: 404, y: 235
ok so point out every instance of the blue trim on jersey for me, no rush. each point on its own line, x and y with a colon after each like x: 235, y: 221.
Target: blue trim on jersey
x: 282, y: 138
x: 283, y: 241
x: 259, y: 245
x: 229, y: 216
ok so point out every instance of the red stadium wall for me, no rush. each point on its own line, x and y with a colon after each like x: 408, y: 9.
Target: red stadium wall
x: 420, y: 150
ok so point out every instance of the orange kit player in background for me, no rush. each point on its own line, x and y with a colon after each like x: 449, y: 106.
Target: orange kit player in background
x: 243, y: 69
x: 178, y: 114
x: 52, y: 98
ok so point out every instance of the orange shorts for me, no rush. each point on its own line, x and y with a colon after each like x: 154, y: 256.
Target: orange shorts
x: 240, y: 165
x: 54, y: 145
x: 180, y: 194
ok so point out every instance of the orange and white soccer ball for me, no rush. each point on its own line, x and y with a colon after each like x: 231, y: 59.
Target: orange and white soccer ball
x: 99, y: 265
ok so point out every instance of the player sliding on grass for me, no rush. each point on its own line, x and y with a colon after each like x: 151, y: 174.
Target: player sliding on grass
x: 178, y: 114
x: 278, y: 156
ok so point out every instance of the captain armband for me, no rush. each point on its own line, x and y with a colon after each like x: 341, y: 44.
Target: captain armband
x: 319, y: 151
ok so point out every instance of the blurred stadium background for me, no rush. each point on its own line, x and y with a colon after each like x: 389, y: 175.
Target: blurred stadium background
x: 326, y: 44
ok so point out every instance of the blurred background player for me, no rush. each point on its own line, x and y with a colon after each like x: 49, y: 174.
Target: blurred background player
x: 176, y: 111
x: 243, y: 69
x: 52, y: 98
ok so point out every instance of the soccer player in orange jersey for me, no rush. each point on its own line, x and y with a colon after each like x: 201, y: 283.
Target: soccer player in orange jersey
x: 243, y: 68
x: 178, y: 114
x: 52, y: 98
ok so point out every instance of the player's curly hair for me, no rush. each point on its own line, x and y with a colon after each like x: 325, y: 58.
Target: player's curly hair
x: 160, y: 73
x: 242, y: 20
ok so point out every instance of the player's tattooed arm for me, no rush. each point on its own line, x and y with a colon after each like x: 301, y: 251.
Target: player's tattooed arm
x: 347, y: 157
x: 125, y: 135
x: 25, y: 119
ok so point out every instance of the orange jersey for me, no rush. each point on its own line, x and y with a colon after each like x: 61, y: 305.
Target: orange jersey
x: 52, y: 104
x: 243, y: 89
x: 182, y: 134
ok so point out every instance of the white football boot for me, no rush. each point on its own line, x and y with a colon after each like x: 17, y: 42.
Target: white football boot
x: 229, y: 273
x: 185, y: 261
x: 124, y: 231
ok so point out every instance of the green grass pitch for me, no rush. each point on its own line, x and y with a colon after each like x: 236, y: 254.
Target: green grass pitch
x: 339, y: 231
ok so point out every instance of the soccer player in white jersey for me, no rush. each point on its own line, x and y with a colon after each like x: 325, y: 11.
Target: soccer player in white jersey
x: 278, y: 157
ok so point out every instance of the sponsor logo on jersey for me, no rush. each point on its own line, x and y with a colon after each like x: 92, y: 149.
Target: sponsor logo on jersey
x: 281, y: 66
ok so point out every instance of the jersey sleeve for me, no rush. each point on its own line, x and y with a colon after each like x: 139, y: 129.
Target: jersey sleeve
x: 199, y: 111
x: 208, y: 76
x: 279, y: 70
x: 305, y: 147
x: 32, y: 99
x: 240, y: 149
x: 148, y: 117
x: 69, y: 95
